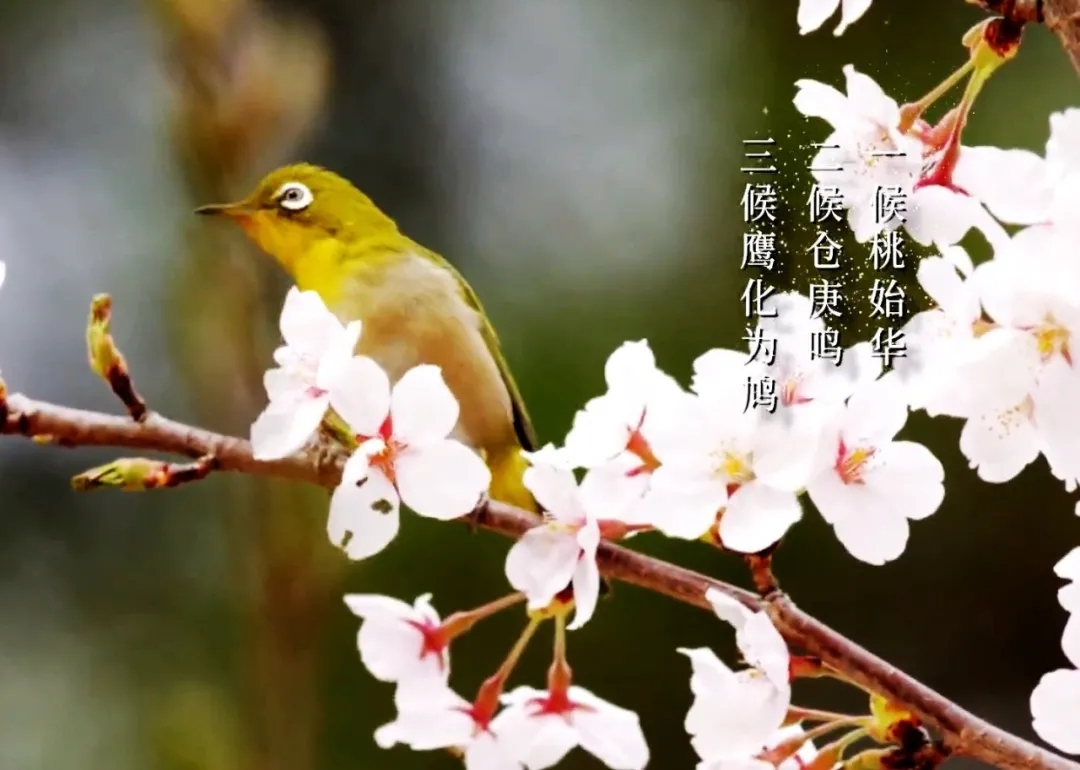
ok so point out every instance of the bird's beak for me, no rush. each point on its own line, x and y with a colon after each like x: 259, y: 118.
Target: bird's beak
x: 231, y: 210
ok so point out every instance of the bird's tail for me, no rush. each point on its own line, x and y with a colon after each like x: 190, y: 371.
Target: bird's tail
x: 507, y: 468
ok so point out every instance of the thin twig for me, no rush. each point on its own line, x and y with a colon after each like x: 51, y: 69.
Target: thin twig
x: 963, y: 733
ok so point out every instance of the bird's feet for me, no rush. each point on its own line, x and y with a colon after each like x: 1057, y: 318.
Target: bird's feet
x: 325, y: 454
x: 475, y: 517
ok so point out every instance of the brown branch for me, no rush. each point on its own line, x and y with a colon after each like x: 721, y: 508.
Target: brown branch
x: 1062, y: 17
x: 962, y: 732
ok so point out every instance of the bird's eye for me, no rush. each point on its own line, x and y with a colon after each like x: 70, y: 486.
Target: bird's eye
x: 294, y: 196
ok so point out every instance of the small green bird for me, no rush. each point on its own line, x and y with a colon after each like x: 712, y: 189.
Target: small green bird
x: 414, y: 306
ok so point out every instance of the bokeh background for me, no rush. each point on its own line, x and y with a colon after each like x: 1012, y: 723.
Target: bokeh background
x: 578, y: 161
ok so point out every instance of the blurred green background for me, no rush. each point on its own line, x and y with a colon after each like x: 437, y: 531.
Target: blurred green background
x: 578, y: 161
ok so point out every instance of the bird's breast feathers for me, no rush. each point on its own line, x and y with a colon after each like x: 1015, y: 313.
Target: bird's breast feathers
x: 414, y: 312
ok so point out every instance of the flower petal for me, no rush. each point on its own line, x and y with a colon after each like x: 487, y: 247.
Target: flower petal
x: 1055, y: 709
x: 873, y: 539
x: 555, y: 489
x: 307, y: 326
x: 610, y: 733
x: 813, y: 13
x: 542, y: 563
x: 364, y: 518
x: 1013, y: 184
x: 284, y: 427
x: 586, y: 582
x: 422, y: 406
x: 444, y: 480
x: 360, y: 393
x: 852, y: 11
x: 757, y: 516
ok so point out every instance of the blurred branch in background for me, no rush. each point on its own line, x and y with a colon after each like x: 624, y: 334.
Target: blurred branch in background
x: 962, y: 733
x: 248, y: 87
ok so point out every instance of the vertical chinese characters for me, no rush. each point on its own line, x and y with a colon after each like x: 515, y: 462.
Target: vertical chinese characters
x: 760, y: 209
x: 825, y: 205
x: 888, y: 301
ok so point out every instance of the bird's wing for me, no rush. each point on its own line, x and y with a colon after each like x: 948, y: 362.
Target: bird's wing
x: 523, y: 426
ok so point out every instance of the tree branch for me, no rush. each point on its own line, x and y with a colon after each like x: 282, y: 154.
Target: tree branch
x: 963, y: 733
x: 1062, y: 17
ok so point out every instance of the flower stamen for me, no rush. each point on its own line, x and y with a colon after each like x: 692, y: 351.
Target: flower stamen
x: 850, y: 464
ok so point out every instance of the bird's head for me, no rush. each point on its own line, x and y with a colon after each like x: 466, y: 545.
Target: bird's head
x: 295, y: 207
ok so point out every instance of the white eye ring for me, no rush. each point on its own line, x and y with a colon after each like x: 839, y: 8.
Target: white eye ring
x: 294, y: 196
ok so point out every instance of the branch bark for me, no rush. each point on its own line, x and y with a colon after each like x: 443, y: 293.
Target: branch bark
x: 962, y: 732
x: 1062, y: 17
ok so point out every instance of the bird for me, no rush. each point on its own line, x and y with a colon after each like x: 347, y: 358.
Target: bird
x: 414, y: 307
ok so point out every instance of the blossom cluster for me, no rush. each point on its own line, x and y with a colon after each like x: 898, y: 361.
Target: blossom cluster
x: 689, y: 463
x: 997, y: 348
x: 652, y: 456
x: 694, y: 462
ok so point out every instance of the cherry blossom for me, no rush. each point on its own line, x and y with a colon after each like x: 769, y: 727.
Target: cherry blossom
x: 1023, y: 188
x: 401, y: 642
x: 1069, y: 597
x: 435, y: 717
x: 875, y: 484
x: 621, y: 420
x: 1055, y: 702
x: 938, y: 340
x: 867, y: 153
x: 1055, y: 709
x: 810, y: 389
x: 403, y: 455
x: 1021, y: 380
x: 814, y: 13
x: 316, y: 343
x: 724, y: 460
x: 737, y: 714
x: 544, y: 725
x: 620, y: 430
x: 562, y: 551
x: 766, y: 759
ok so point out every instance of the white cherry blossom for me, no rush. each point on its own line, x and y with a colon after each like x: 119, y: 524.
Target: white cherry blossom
x: 1069, y: 597
x: 938, y: 340
x: 620, y: 430
x: 724, y: 460
x: 1020, y: 374
x: 621, y: 420
x: 544, y: 725
x: 1055, y: 702
x: 810, y: 389
x: 1055, y: 709
x: 403, y: 455
x: 867, y: 155
x: 766, y: 760
x: 814, y: 13
x: 1021, y: 187
x: 561, y: 552
x: 737, y: 714
x: 399, y: 642
x: 316, y: 343
x: 874, y: 484
x: 435, y: 717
